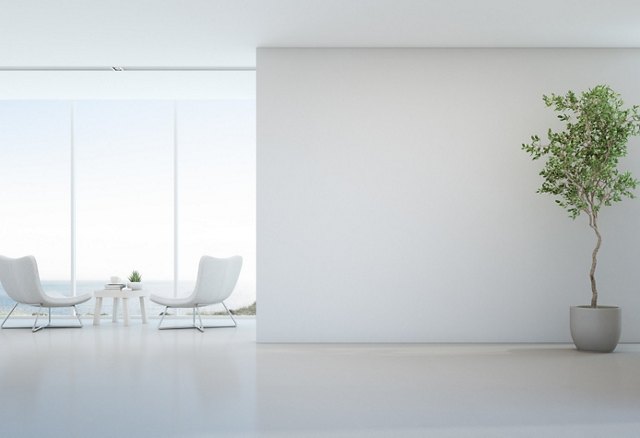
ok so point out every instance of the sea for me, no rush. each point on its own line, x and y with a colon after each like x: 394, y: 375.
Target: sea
x: 239, y: 298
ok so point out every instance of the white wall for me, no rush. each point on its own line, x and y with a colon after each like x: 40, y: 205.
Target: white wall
x: 395, y: 204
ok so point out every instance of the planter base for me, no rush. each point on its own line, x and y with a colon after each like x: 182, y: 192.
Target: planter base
x: 595, y: 329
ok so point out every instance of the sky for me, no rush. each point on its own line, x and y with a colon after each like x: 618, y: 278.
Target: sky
x: 124, y: 182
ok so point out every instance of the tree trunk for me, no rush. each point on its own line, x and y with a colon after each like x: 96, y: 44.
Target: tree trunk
x: 594, y: 262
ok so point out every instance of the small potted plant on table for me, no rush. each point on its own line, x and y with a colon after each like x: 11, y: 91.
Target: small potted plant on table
x: 582, y: 173
x: 135, y: 281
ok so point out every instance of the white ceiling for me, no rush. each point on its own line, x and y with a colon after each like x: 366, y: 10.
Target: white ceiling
x: 225, y: 33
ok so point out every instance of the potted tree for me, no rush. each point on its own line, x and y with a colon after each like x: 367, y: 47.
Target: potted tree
x: 582, y: 173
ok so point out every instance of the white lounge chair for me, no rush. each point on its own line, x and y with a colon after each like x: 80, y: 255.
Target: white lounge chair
x: 21, y: 281
x: 216, y: 280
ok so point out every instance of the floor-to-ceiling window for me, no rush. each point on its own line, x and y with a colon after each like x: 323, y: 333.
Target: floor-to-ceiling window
x: 124, y: 192
x: 35, y: 189
x: 216, y: 189
x: 127, y: 197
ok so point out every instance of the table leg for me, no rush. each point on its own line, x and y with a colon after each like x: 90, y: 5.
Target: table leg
x: 125, y: 310
x: 143, y: 312
x: 97, y: 311
x: 115, y: 309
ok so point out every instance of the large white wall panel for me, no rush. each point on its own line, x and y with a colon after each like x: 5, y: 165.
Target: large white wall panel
x: 395, y: 204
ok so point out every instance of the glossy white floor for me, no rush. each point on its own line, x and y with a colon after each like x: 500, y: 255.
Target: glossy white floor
x: 135, y: 381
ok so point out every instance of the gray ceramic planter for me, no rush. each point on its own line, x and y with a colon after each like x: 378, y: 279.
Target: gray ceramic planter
x: 595, y: 329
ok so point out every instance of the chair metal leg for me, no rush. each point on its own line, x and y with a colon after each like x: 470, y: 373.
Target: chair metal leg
x: 8, y: 315
x: 166, y: 308
x: 75, y: 311
x: 201, y: 326
x: 35, y: 327
x: 235, y: 324
x: 35, y: 323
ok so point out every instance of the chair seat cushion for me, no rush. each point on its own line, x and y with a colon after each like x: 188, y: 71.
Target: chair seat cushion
x: 184, y: 302
x: 56, y: 300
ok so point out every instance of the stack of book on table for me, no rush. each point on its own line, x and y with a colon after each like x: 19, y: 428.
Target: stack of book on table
x: 114, y: 286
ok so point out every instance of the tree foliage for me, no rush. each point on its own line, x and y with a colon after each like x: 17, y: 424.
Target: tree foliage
x: 581, y: 170
x: 582, y: 165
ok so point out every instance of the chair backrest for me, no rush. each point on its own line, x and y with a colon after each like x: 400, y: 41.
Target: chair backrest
x: 20, y: 279
x: 216, y: 279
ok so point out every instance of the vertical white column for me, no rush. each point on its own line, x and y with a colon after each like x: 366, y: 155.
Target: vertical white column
x: 175, y: 198
x: 72, y: 167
